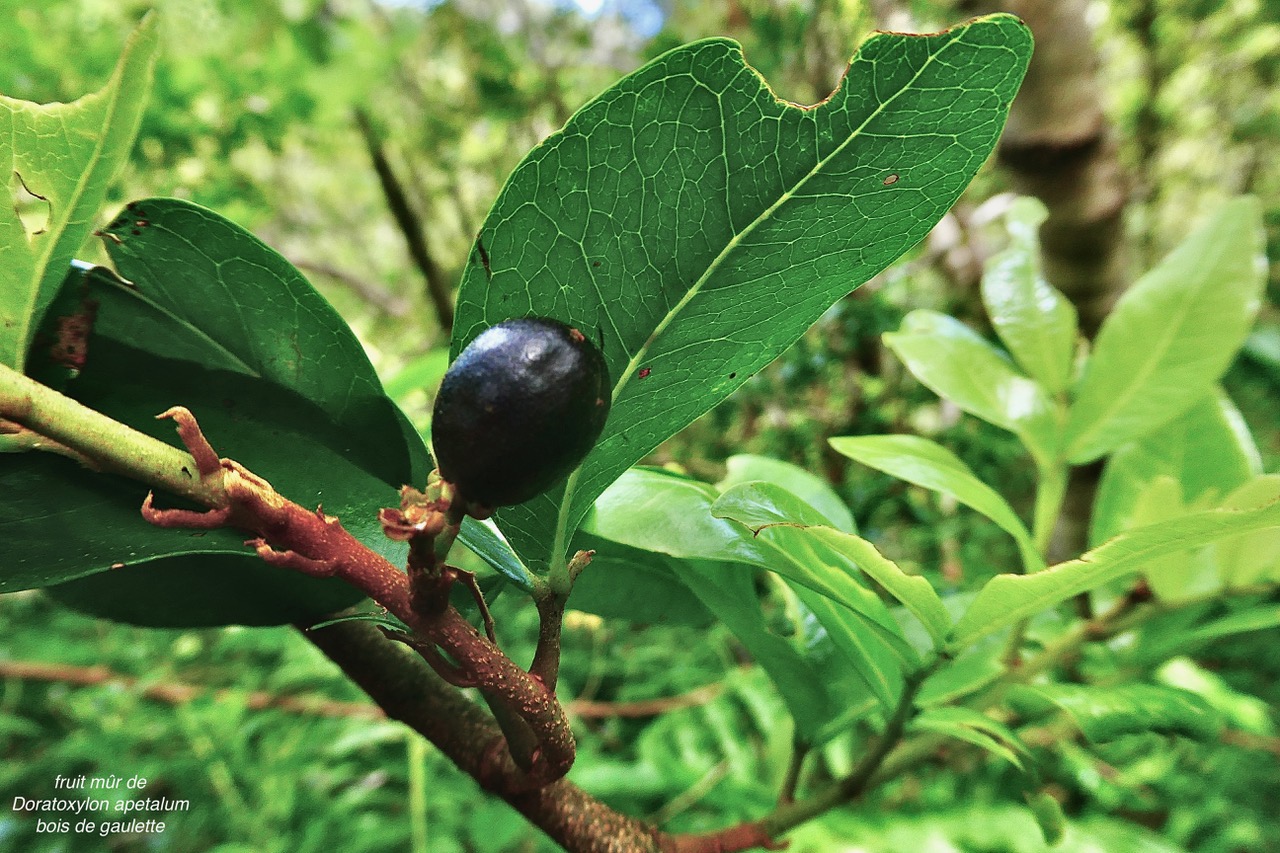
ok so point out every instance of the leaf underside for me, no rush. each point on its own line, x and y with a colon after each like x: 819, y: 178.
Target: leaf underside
x: 695, y: 224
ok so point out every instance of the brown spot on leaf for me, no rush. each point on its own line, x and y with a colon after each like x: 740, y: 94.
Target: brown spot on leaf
x: 890, y: 180
x: 484, y: 255
x: 71, y: 344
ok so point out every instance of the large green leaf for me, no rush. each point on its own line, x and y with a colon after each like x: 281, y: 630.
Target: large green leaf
x: 209, y: 291
x: 927, y: 463
x: 1172, y: 334
x: 1007, y: 599
x: 696, y: 224
x: 64, y: 155
x: 955, y: 362
x: 1106, y: 713
x: 1035, y: 321
x: 214, y: 320
x: 62, y: 522
x: 1208, y: 451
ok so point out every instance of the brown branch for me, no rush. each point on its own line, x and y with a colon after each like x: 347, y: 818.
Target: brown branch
x: 591, y: 709
x: 410, y: 692
x: 317, y: 544
x: 410, y: 224
x: 178, y: 693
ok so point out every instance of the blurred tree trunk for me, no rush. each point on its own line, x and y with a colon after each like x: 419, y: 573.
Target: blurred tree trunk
x: 1059, y: 147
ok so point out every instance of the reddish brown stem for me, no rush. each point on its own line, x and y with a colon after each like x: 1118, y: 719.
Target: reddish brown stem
x: 315, y: 543
x: 410, y: 692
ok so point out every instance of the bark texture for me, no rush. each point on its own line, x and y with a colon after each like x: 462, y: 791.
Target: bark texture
x: 1059, y: 147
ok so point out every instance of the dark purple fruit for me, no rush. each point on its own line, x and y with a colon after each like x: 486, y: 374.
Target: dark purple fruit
x: 519, y: 409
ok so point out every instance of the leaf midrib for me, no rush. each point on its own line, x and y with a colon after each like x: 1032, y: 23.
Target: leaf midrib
x: 633, y: 365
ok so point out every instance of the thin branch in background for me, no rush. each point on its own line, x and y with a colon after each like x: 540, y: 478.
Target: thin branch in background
x: 799, y: 751
x: 179, y: 694
x: 690, y: 798
x: 438, y: 289
x: 592, y: 709
x: 376, y: 295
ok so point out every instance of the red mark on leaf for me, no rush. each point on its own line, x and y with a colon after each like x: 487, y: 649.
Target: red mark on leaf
x: 644, y: 372
x: 72, y: 343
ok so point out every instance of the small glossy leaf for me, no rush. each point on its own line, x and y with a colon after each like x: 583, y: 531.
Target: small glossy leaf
x: 1107, y: 713
x: 818, y: 553
x: 1172, y: 334
x: 659, y: 511
x: 662, y: 512
x: 1035, y: 321
x: 1208, y: 451
x: 1007, y: 599
x: 873, y: 662
x: 697, y: 224
x: 812, y: 490
x: 955, y: 362
x: 927, y: 463
x: 973, y: 727
x: 64, y: 156
x: 488, y: 543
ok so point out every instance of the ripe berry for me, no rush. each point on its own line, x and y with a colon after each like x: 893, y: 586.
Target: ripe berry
x: 520, y: 408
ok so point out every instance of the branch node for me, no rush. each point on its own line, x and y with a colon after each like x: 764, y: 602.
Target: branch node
x: 292, y: 560
x: 198, y: 519
x: 207, y: 463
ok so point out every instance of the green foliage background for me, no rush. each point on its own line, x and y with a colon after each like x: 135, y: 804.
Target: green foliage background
x: 251, y: 115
